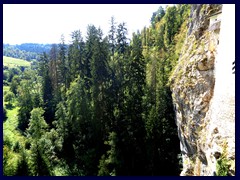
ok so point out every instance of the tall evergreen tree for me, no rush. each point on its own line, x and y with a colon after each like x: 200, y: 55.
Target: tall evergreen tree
x: 47, y: 89
x: 100, y: 79
x: 122, y: 40
x: 53, y: 67
x: 79, y: 125
x: 90, y: 40
x: 37, y: 128
x: 22, y: 168
x: 29, y: 96
x: 133, y: 146
x: 63, y: 69
x: 76, y: 56
x: 112, y: 36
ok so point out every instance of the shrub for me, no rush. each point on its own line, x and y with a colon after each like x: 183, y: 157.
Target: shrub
x: 222, y: 166
x: 9, y: 97
x: 223, y: 163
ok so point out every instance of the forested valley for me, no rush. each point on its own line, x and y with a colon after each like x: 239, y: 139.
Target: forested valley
x: 99, y: 106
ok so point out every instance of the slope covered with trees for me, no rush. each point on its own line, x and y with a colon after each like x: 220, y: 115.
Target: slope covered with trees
x: 26, y: 51
x: 101, y: 106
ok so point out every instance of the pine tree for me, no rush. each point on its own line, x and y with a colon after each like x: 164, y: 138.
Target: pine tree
x: 22, y: 167
x: 74, y: 124
x: 47, y: 89
x: 119, y: 67
x: 37, y: 128
x: 100, y: 78
x: 63, y: 69
x: 171, y: 26
x: 37, y: 124
x: 53, y: 67
x: 157, y: 16
x: 112, y: 36
x: 133, y: 146
x: 90, y: 40
x: 76, y: 56
x: 61, y: 123
x: 25, y: 103
x: 109, y: 164
x: 122, y: 40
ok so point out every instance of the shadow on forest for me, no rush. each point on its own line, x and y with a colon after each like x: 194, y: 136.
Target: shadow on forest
x: 9, y: 106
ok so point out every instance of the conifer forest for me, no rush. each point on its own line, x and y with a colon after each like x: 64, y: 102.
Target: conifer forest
x: 99, y: 106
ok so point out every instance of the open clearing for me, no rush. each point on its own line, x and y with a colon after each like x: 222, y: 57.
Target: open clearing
x: 13, y: 62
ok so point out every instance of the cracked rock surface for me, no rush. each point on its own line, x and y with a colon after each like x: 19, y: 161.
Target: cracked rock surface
x: 205, y: 113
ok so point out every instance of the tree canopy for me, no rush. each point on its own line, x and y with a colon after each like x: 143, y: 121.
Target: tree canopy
x: 101, y: 105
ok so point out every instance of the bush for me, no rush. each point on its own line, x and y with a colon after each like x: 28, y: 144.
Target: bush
x: 5, y: 75
x: 12, y: 72
x: 223, y: 163
x: 5, y: 67
x: 9, y: 97
x: 222, y: 167
x: 14, y: 84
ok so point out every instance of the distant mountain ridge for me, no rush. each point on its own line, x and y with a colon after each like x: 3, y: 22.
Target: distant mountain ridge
x: 26, y: 51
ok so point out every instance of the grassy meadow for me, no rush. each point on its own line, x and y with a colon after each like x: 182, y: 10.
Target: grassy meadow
x: 13, y: 62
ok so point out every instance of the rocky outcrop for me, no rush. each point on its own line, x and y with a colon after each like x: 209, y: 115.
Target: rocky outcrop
x: 205, y: 133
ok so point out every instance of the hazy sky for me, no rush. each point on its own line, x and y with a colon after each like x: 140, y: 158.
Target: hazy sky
x: 45, y: 23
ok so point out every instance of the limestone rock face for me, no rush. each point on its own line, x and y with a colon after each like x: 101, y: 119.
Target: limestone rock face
x: 205, y: 110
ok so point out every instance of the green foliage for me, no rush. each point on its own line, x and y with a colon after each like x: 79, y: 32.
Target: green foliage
x: 62, y: 120
x: 100, y: 106
x: 62, y: 63
x: 26, y: 51
x: 157, y: 16
x: 103, y: 167
x: 12, y: 72
x: 27, y: 90
x: 8, y: 158
x: 76, y: 54
x: 14, y: 84
x: 40, y: 164
x: 22, y: 167
x: 121, y: 38
x: 112, y: 36
x: 16, y: 147
x: 9, y: 97
x: 109, y: 164
x: 223, y: 163
x: 222, y: 167
x: 4, y: 114
x: 5, y: 75
x: 37, y: 124
x: 77, y: 107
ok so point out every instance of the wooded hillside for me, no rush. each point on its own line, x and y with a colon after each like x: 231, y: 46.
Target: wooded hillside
x: 101, y: 106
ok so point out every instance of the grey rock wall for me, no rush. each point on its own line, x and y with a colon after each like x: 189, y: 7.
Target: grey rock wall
x: 204, y: 108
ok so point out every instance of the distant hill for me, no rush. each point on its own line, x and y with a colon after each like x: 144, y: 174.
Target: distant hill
x: 13, y: 62
x: 26, y: 51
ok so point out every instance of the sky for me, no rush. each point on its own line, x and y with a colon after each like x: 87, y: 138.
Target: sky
x: 44, y: 23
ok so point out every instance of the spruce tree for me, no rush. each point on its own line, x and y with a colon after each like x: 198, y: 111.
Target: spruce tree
x: 37, y: 128
x: 112, y: 36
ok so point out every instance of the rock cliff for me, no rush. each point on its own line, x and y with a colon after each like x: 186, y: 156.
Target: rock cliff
x: 203, y: 91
